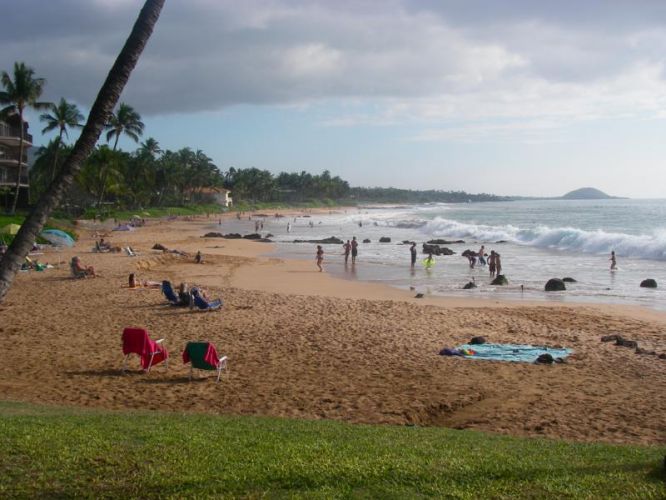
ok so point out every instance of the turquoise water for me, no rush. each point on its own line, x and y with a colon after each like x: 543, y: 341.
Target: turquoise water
x: 539, y: 240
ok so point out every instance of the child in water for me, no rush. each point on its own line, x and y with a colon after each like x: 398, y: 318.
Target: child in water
x: 613, y: 261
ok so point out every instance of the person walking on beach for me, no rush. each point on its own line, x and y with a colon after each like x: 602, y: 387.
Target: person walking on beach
x: 412, y: 251
x: 613, y: 261
x: 319, y: 258
x: 354, y: 249
x: 347, y: 248
x: 492, y: 263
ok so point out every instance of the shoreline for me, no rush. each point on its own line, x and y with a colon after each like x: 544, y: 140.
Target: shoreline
x: 304, y: 344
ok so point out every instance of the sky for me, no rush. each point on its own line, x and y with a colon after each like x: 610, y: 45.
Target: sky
x: 512, y: 97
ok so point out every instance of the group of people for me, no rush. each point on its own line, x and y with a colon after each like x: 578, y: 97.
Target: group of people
x: 350, y: 247
x: 494, y: 261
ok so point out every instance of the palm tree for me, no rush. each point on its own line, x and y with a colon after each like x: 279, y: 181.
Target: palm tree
x: 62, y: 116
x: 151, y: 148
x: 124, y: 121
x: 20, y: 93
x: 99, y: 113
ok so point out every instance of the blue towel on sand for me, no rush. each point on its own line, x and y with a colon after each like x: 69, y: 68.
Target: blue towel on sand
x: 513, y: 352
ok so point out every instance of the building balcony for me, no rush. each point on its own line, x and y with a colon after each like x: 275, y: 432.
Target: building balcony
x: 8, y: 176
x: 12, y: 135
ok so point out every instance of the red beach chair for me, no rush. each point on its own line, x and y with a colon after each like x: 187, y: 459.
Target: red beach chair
x: 203, y: 356
x: 137, y: 341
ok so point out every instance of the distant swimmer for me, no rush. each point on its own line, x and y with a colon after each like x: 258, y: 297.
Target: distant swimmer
x: 613, y: 261
x: 428, y: 262
x: 412, y: 251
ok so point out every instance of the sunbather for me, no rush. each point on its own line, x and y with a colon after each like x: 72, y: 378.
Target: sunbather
x: 80, y: 270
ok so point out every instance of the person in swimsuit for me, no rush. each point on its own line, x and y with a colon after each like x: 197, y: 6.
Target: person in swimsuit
x: 498, y: 264
x: 482, y: 255
x: 412, y: 251
x: 354, y: 249
x: 491, y: 263
x: 613, y: 261
x: 347, y: 248
x: 319, y: 258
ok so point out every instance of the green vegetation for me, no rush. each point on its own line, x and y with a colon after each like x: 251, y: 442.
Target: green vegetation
x: 62, y: 224
x: 52, y: 452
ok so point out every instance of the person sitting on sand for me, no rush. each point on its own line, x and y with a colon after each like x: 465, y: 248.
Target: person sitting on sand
x: 81, y: 270
x: 613, y: 261
x: 198, y: 258
x: 319, y: 257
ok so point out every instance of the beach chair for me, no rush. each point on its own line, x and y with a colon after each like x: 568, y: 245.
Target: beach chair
x: 130, y: 252
x: 137, y: 341
x: 203, y: 356
x: 170, y: 295
x: 76, y: 273
x: 202, y: 304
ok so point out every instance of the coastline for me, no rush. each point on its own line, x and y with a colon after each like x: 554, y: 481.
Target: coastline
x: 310, y: 345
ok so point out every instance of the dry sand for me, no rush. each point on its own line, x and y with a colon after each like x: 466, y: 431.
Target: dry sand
x: 304, y: 344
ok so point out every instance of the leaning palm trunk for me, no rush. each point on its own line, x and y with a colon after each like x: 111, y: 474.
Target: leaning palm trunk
x: 55, y: 157
x: 101, y: 109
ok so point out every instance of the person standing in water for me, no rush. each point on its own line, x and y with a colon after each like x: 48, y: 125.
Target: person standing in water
x: 319, y: 258
x: 482, y: 255
x: 613, y: 261
x: 491, y: 263
x: 347, y: 248
x: 498, y: 264
x: 412, y: 251
x: 354, y: 249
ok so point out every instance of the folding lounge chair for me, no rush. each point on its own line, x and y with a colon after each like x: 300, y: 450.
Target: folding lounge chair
x: 203, y: 304
x: 168, y: 292
x: 203, y: 356
x: 137, y: 341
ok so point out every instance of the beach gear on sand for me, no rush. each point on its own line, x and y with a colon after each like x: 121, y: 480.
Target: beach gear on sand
x: 511, y: 352
x: 202, y: 303
x: 168, y: 292
x: 203, y: 356
x: 137, y: 341
x: 57, y: 237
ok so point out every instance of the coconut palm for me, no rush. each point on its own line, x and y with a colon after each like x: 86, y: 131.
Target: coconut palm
x: 62, y: 116
x: 21, y: 92
x: 99, y: 113
x: 125, y: 121
x: 151, y: 148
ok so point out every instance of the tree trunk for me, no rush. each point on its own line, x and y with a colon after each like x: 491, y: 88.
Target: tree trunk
x: 55, y: 159
x: 20, y: 161
x: 106, y: 100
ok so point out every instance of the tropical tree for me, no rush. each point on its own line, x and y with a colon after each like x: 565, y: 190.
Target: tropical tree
x: 99, y: 113
x: 63, y: 115
x: 20, y: 93
x: 125, y: 121
x: 151, y: 148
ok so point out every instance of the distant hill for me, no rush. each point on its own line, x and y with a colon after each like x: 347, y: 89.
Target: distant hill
x: 586, y: 193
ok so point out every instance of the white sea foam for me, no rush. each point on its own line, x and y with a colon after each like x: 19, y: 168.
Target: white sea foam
x: 647, y: 246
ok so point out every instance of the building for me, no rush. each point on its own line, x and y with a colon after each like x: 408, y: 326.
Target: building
x: 220, y: 195
x: 10, y: 138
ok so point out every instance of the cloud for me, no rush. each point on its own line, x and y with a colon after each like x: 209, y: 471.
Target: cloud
x: 427, y: 63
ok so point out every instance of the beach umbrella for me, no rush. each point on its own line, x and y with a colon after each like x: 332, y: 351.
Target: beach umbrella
x: 57, y: 237
x: 10, y: 229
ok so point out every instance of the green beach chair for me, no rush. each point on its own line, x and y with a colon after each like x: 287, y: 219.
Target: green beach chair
x: 203, y: 356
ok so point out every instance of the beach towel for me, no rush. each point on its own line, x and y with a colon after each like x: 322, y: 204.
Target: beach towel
x: 510, y: 352
x: 137, y: 341
x: 202, y: 355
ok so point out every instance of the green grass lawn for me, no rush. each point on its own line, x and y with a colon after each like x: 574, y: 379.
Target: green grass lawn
x: 56, y: 452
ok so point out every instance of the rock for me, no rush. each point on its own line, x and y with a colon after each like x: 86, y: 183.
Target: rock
x: 626, y: 343
x: 610, y: 338
x: 545, y: 358
x: 501, y: 280
x: 269, y: 235
x: 569, y: 280
x: 385, y: 239
x: 468, y: 252
x: 232, y: 236
x: 648, y: 283
x: 477, y: 340
x: 159, y: 246
x: 662, y: 355
x: 326, y: 241
x: 436, y: 250
x: 252, y: 236
x: 213, y: 235
x: 366, y: 241
x: 407, y: 242
x: 555, y: 285
x: 418, y: 296
x: 263, y: 240
x: 469, y: 286
x: 500, y: 241
x: 640, y: 350
x: 444, y: 242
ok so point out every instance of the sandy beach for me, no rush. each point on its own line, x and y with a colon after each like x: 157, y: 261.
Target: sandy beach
x: 306, y: 345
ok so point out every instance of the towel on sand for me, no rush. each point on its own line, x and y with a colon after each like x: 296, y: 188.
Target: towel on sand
x: 512, y: 352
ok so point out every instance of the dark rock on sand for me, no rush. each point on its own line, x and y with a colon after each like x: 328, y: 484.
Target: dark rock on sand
x: 469, y: 285
x: 626, y: 343
x: 500, y: 279
x: 444, y: 242
x: 213, y: 235
x: 569, y: 280
x: 366, y: 240
x: 649, y: 283
x: 418, y: 296
x: 252, y: 236
x: 477, y: 340
x: 640, y: 350
x: 555, y: 285
x: 263, y: 240
x: 545, y: 358
x: 385, y: 239
x: 326, y: 241
x: 233, y: 236
x: 159, y: 246
x: 662, y: 355
x: 610, y: 338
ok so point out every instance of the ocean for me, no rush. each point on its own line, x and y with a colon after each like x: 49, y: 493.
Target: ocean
x: 537, y: 240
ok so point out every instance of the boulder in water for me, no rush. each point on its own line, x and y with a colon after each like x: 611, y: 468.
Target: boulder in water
x: 444, y: 242
x: 569, y: 280
x: 555, y: 285
x: 469, y: 285
x: 252, y: 236
x: 501, y: 280
x: 385, y: 239
x: 326, y: 241
x: 366, y: 240
x: 232, y: 236
x: 648, y: 283
x: 213, y: 235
